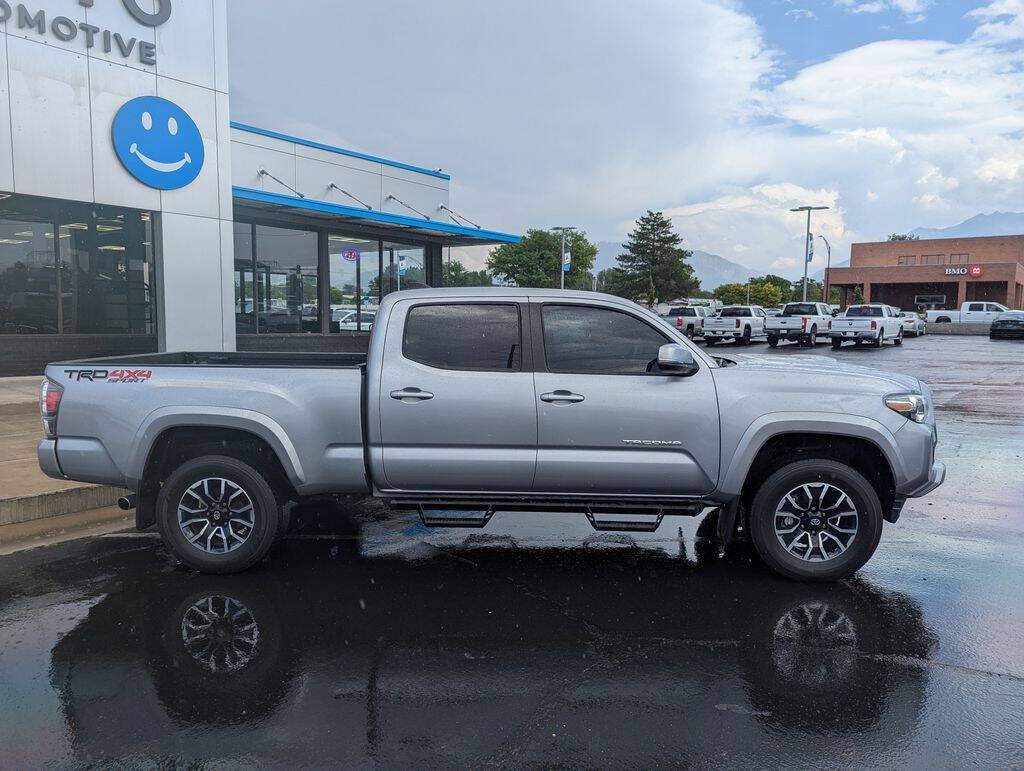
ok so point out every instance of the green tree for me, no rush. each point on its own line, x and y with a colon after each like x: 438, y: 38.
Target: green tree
x: 653, y: 268
x: 536, y: 261
x: 784, y: 285
x: 902, y: 237
x: 456, y: 274
x: 760, y: 293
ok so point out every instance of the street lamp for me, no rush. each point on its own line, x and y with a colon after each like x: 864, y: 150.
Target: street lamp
x: 828, y: 265
x: 563, y: 229
x: 807, y: 239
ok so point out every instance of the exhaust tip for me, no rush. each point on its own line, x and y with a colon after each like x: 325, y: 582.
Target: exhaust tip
x: 126, y: 502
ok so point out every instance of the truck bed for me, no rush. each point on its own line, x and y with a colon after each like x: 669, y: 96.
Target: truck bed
x: 228, y: 359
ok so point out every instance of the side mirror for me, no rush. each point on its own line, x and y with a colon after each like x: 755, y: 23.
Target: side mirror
x: 675, y: 359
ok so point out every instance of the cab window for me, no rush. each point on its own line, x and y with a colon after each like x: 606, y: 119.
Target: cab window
x: 598, y: 341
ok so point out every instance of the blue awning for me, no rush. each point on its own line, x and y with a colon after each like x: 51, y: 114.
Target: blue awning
x: 448, y: 233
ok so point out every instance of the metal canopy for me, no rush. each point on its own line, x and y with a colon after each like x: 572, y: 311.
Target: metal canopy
x: 383, y: 223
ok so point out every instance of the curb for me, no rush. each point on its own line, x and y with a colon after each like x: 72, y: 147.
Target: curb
x: 32, y: 507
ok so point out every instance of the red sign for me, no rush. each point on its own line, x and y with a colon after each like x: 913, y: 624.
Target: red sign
x: 976, y: 271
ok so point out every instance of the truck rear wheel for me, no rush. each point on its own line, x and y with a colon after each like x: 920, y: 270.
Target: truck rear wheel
x: 816, y: 520
x: 836, y: 343
x: 773, y: 341
x: 217, y: 514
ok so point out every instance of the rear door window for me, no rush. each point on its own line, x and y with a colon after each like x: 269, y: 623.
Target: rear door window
x: 466, y: 336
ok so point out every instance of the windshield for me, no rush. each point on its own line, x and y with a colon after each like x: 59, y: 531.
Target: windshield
x: 734, y: 313
x: 1016, y: 315
x: 863, y: 311
x: 800, y: 309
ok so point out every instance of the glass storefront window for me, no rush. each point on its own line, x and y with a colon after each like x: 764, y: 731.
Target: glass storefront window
x: 404, y: 267
x: 276, y: 280
x: 245, y: 289
x: 354, y: 282
x: 75, y: 268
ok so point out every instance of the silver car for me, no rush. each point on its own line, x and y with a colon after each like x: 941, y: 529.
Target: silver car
x: 912, y: 324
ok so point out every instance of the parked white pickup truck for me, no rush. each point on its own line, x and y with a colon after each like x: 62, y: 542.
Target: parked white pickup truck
x: 802, y: 322
x: 874, y: 323
x: 969, y: 313
x: 735, y: 322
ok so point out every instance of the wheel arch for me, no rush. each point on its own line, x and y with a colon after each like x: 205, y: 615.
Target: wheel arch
x: 769, y: 444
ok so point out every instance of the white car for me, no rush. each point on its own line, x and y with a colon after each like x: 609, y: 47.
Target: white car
x: 969, y: 313
x: 735, y: 322
x: 913, y: 324
x: 343, y: 320
x: 872, y: 323
x: 802, y: 322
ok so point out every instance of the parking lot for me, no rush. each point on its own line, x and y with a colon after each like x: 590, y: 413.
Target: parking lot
x: 366, y: 639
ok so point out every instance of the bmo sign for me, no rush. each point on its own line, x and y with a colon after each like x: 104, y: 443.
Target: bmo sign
x: 974, y: 271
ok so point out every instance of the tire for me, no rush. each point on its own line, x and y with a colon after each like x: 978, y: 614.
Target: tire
x: 778, y: 492
x: 710, y: 341
x: 263, y: 513
x: 773, y: 342
x: 899, y: 338
x: 943, y: 320
x: 836, y: 343
x: 745, y: 340
x: 812, y: 339
x: 877, y: 342
x: 689, y: 333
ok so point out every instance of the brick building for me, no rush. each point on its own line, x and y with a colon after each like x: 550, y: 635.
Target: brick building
x: 935, y: 273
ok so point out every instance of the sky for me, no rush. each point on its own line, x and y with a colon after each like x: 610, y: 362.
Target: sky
x: 723, y: 114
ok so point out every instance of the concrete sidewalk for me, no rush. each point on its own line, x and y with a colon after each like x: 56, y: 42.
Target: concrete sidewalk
x: 26, y: 494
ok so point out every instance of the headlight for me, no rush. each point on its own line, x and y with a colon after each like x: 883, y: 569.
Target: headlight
x: 912, y: 406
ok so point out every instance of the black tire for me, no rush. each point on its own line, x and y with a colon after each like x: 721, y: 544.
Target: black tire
x: 745, y: 339
x: 773, y: 342
x: 899, y: 338
x: 812, y: 339
x: 844, y: 478
x: 710, y: 341
x: 266, y: 514
x: 944, y: 320
x: 689, y: 333
x: 836, y: 343
x: 877, y: 342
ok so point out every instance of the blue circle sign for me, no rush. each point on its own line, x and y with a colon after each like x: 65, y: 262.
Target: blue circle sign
x: 158, y: 143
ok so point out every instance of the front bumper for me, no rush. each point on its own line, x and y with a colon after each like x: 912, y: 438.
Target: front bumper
x: 1009, y: 333
x: 936, y: 476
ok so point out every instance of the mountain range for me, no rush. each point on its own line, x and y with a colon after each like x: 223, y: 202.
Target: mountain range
x: 711, y: 269
x: 998, y: 223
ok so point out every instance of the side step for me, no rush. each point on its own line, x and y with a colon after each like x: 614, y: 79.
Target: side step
x: 628, y: 525
x: 455, y: 517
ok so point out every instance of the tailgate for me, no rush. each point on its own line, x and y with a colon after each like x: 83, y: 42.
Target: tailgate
x: 785, y: 323
x: 849, y: 325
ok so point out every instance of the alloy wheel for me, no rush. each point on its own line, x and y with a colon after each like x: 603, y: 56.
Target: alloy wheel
x: 816, y: 522
x: 216, y: 516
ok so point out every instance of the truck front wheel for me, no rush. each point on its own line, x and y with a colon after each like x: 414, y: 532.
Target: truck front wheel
x: 217, y: 514
x: 816, y: 520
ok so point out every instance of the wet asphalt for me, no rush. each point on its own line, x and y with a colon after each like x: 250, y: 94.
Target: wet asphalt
x: 367, y: 640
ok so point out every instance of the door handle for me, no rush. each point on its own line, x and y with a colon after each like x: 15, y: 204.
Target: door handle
x: 562, y: 396
x: 411, y: 394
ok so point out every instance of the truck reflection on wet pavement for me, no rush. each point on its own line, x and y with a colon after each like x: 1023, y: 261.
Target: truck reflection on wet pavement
x: 468, y: 656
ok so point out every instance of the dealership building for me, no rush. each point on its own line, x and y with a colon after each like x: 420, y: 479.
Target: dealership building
x: 935, y: 273
x: 137, y: 216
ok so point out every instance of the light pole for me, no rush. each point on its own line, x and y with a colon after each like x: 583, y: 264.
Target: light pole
x: 563, y: 229
x: 828, y: 264
x: 807, y: 239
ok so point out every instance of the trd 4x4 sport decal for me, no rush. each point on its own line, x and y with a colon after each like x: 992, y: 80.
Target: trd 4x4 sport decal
x: 110, y: 376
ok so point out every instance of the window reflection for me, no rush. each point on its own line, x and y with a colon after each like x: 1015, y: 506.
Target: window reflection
x: 404, y: 267
x: 355, y: 282
x: 75, y: 268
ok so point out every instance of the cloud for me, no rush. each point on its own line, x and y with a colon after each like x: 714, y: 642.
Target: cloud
x: 1002, y: 21
x: 796, y: 14
x: 913, y: 11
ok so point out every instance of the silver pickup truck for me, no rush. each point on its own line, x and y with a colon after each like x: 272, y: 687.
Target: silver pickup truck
x: 472, y: 401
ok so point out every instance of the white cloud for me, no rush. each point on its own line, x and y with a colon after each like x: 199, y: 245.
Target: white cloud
x: 798, y: 14
x: 1002, y: 21
x: 871, y: 195
x: 912, y: 10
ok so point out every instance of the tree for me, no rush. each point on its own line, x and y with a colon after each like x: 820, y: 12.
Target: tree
x: 653, y: 268
x: 455, y: 274
x: 536, y: 261
x: 763, y: 293
x: 784, y: 285
x: 903, y: 237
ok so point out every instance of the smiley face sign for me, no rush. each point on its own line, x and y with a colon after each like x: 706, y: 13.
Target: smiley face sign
x: 158, y: 143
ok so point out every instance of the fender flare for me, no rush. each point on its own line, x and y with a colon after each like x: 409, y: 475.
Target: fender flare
x: 183, y: 416
x: 775, y: 424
